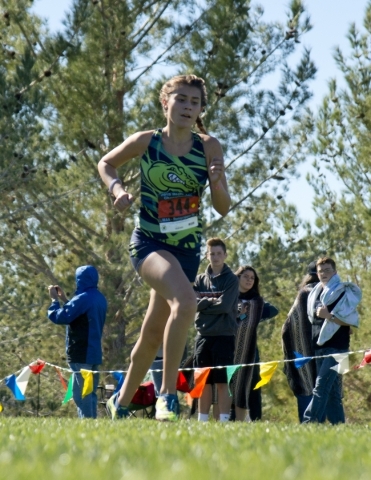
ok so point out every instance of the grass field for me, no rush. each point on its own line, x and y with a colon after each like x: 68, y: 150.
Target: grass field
x: 69, y: 449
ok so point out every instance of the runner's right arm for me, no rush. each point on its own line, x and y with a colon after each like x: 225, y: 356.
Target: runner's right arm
x: 134, y: 146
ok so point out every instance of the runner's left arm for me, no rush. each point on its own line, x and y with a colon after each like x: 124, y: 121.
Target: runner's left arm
x: 217, y: 179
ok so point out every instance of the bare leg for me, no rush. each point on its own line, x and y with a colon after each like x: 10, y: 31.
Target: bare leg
x: 224, y: 399
x: 145, y: 349
x: 215, y: 403
x: 163, y: 273
x: 171, y: 310
x: 216, y: 411
x: 241, y: 414
x: 204, y: 402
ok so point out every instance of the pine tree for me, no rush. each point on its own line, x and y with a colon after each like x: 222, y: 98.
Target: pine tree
x: 70, y: 97
x: 342, y: 152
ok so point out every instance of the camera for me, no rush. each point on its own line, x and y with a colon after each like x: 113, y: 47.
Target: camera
x: 240, y: 304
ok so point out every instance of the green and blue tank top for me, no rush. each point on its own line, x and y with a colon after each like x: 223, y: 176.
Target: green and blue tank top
x: 171, y: 190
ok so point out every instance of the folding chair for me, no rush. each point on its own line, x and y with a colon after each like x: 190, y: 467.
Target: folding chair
x: 143, y: 402
x: 104, y: 392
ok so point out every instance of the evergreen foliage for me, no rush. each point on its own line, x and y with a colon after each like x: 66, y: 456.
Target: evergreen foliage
x: 341, y: 151
x: 69, y: 97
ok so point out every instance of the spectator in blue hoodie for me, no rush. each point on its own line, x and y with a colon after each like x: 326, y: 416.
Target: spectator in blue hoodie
x: 84, y: 316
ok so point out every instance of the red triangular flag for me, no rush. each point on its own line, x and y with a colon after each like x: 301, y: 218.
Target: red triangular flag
x: 182, y: 384
x: 37, y: 366
x: 365, y: 361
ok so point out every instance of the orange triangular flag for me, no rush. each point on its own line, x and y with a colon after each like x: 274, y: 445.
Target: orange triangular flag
x: 63, y: 382
x: 200, y: 377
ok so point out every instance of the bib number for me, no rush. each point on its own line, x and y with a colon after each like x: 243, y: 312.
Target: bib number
x: 177, y: 213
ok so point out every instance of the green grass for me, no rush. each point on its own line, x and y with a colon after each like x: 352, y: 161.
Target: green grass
x: 69, y: 449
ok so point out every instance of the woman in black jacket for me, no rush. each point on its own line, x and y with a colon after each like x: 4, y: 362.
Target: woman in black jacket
x: 251, y: 308
x: 297, y: 337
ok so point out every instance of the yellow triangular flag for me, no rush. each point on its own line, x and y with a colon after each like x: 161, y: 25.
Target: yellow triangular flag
x: 266, y: 373
x: 1, y: 408
x: 87, y: 375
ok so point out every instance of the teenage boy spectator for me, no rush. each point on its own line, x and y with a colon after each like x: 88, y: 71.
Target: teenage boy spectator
x: 332, y: 310
x: 84, y: 316
x: 217, y: 294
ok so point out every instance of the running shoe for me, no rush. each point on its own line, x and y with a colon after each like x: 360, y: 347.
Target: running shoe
x: 115, y: 410
x: 167, y: 408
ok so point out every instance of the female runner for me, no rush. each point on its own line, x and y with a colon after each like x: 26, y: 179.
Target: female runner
x: 175, y: 165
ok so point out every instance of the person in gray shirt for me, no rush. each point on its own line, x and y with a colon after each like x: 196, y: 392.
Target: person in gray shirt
x: 217, y: 304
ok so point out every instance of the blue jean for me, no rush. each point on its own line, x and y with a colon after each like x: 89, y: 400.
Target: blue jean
x: 87, y: 406
x: 327, y: 392
x: 303, y: 402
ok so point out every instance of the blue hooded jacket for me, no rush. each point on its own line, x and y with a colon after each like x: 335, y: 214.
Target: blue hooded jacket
x: 84, y: 316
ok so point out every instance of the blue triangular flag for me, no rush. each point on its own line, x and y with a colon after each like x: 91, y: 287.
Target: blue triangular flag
x: 301, y: 360
x: 120, y: 380
x: 11, y: 383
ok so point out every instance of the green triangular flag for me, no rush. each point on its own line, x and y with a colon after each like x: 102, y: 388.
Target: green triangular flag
x: 69, y: 392
x: 230, y: 372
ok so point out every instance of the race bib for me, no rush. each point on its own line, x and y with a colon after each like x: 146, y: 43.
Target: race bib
x: 177, y: 212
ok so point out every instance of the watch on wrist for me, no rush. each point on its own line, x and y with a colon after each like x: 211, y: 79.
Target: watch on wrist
x: 332, y: 318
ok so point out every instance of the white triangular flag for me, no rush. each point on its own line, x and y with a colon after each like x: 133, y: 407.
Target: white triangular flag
x: 343, y: 365
x: 22, y: 379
